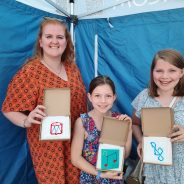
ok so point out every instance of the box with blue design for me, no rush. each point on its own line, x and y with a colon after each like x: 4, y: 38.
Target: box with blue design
x: 157, y: 124
x: 56, y: 125
x: 111, y: 144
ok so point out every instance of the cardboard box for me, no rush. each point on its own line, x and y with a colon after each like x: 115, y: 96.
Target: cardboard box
x: 112, y: 141
x: 157, y: 123
x: 57, y: 125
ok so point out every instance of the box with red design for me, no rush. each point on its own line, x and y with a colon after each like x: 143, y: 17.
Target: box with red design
x: 56, y: 125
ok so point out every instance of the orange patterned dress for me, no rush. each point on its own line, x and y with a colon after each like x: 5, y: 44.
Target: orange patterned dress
x: 51, y: 159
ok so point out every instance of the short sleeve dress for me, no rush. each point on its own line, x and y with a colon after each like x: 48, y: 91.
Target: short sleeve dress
x: 51, y: 159
x: 158, y: 174
x: 90, y: 150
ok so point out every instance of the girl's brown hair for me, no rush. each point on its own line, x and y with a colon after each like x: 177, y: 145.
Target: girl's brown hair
x: 101, y: 80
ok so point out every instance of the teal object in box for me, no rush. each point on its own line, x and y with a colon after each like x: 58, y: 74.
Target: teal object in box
x: 109, y: 159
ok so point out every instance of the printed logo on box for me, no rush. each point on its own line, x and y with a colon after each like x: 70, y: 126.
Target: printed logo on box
x: 110, y: 159
x: 158, y: 152
x: 56, y: 128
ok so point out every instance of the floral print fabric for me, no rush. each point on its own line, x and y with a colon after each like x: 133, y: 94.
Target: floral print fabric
x: 90, y: 150
x: 51, y: 159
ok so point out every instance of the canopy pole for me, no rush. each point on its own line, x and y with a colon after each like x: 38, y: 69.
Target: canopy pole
x: 96, y: 56
x: 72, y: 22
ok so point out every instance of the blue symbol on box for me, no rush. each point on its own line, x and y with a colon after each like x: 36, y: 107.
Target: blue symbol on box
x: 157, y: 151
x: 109, y: 159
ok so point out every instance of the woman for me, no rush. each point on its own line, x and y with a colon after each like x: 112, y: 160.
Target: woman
x: 52, y: 67
x: 166, y: 85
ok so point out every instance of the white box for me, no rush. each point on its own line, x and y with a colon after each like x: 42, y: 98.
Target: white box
x: 111, y: 157
x: 56, y: 125
x: 157, y: 150
x: 157, y: 123
x: 55, y: 128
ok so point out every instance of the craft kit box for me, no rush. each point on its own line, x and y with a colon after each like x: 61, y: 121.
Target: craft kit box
x: 56, y: 125
x: 157, y: 124
x: 111, y: 144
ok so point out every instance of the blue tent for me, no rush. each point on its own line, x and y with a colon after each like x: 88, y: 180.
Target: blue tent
x: 126, y: 45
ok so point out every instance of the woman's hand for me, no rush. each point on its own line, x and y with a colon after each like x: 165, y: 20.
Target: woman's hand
x: 112, y: 175
x: 35, y: 116
x: 177, y: 134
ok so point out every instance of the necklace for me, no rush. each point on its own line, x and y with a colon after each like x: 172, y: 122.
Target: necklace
x: 49, y: 66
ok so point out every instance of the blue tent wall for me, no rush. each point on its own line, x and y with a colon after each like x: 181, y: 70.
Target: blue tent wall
x: 126, y: 50
x: 18, y: 31
x: 15, y: 47
x: 126, y: 46
x: 125, y: 54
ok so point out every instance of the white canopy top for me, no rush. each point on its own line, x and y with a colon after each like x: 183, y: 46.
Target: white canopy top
x: 87, y: 9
